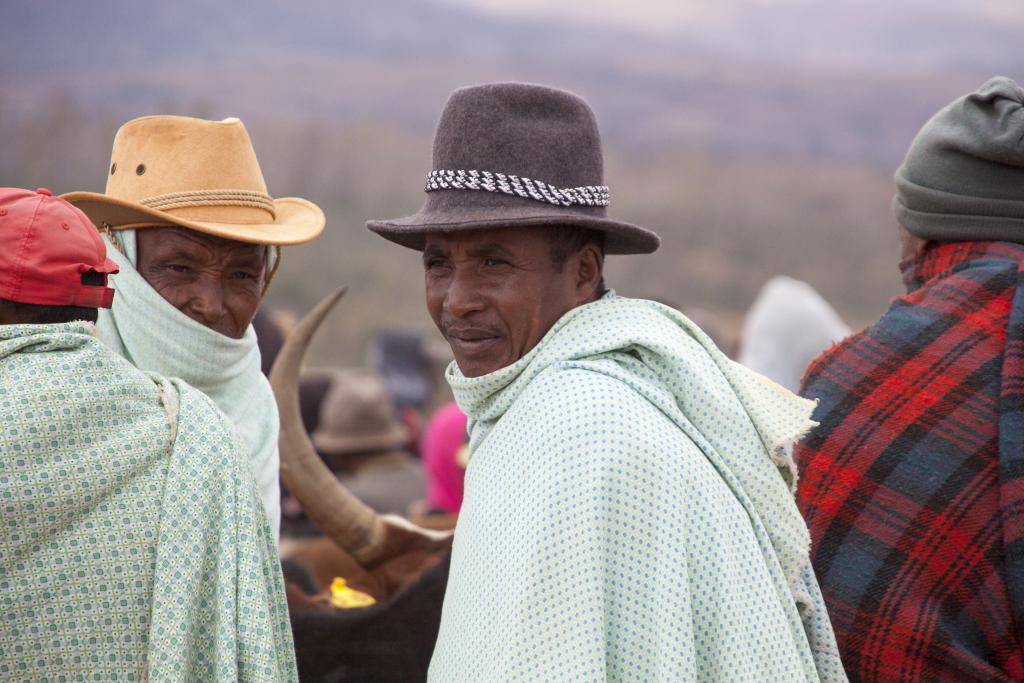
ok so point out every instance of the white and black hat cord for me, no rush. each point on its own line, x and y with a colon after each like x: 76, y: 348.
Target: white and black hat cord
x: 587, y: 195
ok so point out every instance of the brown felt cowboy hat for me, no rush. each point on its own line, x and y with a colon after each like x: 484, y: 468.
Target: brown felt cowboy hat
x: 514, y: 154
x: 202, y: 175
x: 358, y: 416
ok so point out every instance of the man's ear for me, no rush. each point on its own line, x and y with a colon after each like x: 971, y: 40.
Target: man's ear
x: 911, y: 246
x: 589, y: 270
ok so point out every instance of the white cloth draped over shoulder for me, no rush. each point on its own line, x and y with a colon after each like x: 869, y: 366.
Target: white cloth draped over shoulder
x: 629, y: 515
x: 155, y: 336
x: 786, y: 328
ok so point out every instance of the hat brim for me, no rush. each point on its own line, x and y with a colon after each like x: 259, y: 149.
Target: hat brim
x: 297, y: 220
x: 340, y: 444
x: 411, y: 231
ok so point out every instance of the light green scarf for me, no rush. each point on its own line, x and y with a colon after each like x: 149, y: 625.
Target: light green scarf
x: 629, y: 514
x: 155, y: 336
x: 132, y: 539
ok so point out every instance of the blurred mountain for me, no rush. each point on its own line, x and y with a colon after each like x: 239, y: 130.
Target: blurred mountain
x: 937, y: 35
x: 782, y: 80
x: 758, y: 137
x: 69, y: 35
x: 932, y: 34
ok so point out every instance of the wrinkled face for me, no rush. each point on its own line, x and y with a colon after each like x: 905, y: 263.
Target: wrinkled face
x: 217, y: 282
x: 495, y: 293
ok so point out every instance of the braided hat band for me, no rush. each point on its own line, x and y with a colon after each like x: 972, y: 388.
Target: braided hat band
x: 178, y: 200
x: 587, y: 195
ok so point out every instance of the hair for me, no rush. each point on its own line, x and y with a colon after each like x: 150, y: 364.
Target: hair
x: 567, y: 240
x: 39, y: 314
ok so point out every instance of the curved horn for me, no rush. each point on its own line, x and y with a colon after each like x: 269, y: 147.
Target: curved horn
x: 339, y: 514
x: 370, y: 538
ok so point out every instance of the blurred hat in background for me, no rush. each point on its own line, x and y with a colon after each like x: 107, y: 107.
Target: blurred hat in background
x: 358, y: 415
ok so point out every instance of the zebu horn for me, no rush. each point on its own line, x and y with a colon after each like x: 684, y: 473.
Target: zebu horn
x: 370, y: 538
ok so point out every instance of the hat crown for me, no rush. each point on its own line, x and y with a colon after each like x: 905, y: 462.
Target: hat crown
x: 531, y: 131
x: 963, y: 175
x: 516, y: 155
x: 357, y: 414
x: 50, y: 245
x: 201, y: 175
x: 158, y: 155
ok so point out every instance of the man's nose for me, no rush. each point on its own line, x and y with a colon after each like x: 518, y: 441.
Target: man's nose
x: 464, y: 294
x: 206, y: 302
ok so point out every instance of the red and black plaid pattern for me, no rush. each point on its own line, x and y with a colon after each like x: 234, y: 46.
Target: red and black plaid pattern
x: 913, y: 485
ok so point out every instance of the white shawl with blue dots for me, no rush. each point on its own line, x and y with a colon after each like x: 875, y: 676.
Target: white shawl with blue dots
x: 629, y: 514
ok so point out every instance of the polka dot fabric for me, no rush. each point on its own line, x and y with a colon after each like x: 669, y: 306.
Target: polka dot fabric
x: 629, y: 515
x: 120, y: 558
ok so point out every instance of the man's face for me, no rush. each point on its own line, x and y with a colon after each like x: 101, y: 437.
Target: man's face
x: 217, y: 282
x: 495, y: 293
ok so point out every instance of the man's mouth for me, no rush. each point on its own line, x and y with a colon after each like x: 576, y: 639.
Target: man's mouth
x: 469, y: 341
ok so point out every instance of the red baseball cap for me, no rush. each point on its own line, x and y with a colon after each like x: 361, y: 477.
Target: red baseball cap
x: 47, y: 247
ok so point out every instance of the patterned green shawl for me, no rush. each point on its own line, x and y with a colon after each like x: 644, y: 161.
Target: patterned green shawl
x: 629, y: 514
x: 132, y: 538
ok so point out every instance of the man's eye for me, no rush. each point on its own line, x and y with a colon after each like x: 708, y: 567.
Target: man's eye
x: 435, y: 263
x: 495, y: 262
x: 242, y: 275
x: 177, y: 268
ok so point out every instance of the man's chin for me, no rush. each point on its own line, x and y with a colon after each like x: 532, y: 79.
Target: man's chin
x: 476, y: 367
x: 479, y: 366
x: 226, y: 331
x: 223, y: 327
x: 479, y: 356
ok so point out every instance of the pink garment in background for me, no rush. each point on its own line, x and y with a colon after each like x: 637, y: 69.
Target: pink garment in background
x: 444, y: 436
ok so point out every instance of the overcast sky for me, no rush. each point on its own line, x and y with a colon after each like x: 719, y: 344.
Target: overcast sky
x: 671, y: 16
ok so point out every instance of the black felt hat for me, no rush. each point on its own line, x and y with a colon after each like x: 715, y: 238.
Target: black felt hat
x: 510, y: 154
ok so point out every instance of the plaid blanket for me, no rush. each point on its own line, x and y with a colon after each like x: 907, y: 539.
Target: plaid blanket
x: 913, y: 485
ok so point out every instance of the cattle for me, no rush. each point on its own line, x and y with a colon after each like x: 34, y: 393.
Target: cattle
x: 389, y: 641
x: 403, y: 566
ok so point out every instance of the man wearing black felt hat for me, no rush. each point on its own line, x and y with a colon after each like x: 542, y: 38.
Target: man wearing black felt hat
x: 628, y: 508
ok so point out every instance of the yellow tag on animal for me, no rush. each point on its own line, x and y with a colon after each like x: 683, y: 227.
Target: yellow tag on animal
x: 344, y: 597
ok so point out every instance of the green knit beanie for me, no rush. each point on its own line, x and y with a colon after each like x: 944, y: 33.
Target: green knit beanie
x: 963, y: 178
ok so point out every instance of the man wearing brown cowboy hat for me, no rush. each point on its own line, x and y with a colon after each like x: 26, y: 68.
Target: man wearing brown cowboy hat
x: 628, y: 508
x: 196, y: 236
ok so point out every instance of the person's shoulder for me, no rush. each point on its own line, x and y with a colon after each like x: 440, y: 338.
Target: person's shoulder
x: 71, y: 355
x: 593, y: 401
x: 575, y: 385
x: 582, y: 421
x: 821, y: 366
x: 199, y: 418
x: 94, y: 355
